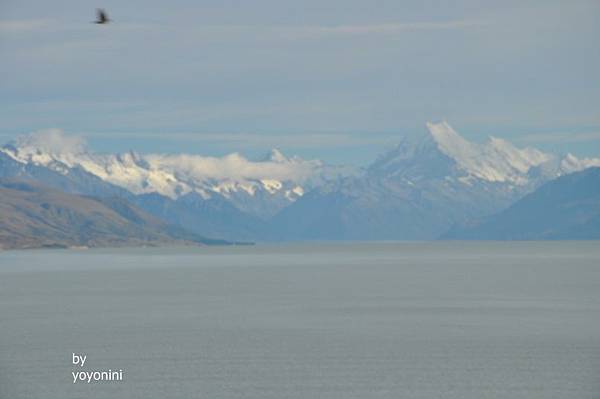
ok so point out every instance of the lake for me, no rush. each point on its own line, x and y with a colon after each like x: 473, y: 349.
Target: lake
x: 350, y: 320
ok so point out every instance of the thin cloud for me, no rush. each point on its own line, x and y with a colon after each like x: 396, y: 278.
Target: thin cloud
x: 37, y: 25
x: 232, y: 166
x: 258, y: 140
x: 51, y: 140
x: 560, y: 137
x: 393, y: 28
x: 313, y: 31
x: 58, y: 138
x: 48, y: 25
x: 25, y: 25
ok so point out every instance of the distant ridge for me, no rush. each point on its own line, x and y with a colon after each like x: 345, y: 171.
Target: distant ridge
x: 567, y: 208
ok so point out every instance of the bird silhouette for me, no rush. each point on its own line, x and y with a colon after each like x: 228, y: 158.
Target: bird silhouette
x: 102, y: 17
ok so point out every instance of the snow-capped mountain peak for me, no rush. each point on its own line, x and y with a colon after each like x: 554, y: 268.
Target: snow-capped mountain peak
x: 450, y: 142
x: 273, y: 182
x: 444, y: 154
x: 276, y: 156
x: 497, y: 160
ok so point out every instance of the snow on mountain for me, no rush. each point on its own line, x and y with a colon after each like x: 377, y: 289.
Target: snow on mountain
x: 571, y: 164
x: 421, y: 188
x: 442, y: 152
x: 276, y: 156
x: 441, y: 172
x: 274, y: 182
x: 495, y: 161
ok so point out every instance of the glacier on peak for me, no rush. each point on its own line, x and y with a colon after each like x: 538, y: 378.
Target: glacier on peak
x: 443, y: 154
x: 276, y: 156
x: 497, y: 160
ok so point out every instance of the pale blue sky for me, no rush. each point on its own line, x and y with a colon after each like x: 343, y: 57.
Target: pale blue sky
x: 338, y: 80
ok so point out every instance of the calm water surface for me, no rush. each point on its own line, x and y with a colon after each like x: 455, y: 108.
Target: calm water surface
x: 380, y: 320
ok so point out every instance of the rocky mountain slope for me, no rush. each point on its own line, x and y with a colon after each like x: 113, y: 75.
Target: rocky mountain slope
x: 33, y: 216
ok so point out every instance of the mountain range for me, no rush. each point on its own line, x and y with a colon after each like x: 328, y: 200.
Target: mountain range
x: 423, y: 187
x: 419, y: 190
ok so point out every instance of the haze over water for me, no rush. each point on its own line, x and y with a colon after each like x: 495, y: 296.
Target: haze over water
x: 356, y: 320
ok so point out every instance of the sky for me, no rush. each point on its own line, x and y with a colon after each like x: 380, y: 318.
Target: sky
x: 337, y: 80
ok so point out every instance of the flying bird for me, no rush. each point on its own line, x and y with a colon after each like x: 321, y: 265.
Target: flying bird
x: 102, y: 17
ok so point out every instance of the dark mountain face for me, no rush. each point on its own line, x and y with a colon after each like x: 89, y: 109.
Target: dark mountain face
x: 565, y: 208
x: 32, y: 215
